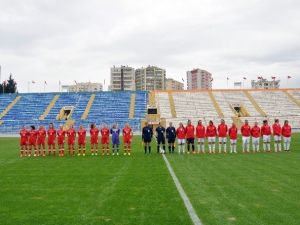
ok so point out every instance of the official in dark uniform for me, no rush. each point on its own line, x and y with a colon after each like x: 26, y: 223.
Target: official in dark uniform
x: 160, y: 136
x: 147, y: 134
x: 171, y: 136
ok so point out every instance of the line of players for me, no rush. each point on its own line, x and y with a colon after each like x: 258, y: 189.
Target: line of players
x: 186, y: 136
x: 35, y: 140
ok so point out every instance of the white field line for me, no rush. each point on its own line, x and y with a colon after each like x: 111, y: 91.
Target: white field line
x: 185, y: 198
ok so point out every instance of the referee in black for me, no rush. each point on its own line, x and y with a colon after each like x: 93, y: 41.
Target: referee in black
x: 171, y: 136
x: 160, y: 136
x: 147, y: 134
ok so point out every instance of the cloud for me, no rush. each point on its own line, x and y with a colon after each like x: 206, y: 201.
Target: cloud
x: 81, y: 40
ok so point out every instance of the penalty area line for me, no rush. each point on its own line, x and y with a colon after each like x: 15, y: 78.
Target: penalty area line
x: 188, y: 205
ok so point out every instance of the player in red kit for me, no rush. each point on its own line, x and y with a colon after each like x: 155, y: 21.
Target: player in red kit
x: 41, y: 137
x: 127, y: 138
x: 266, y: 134
x: 200, y: 135
x: 81, y: 140
x: 255, y: 133
x: 105, y: 140
x: 211, y: 133
x: 286, y: 131
x: 277, y: 135
x: 61, y: 141
x: 190, y: 136
x: 24, y: 134
x: 51, y: 139
x: 32, y: 141
x: 246, y: 132
x: 222, y: 135
x: 181, y: 133
x: 94, y: 132
x: 71, y: 134
x: 233, y: 135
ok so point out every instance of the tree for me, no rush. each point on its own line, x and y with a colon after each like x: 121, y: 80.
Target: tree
x: 9, y: 86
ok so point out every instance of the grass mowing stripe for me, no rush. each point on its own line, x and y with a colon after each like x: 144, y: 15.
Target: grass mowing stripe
x: 183, y: 195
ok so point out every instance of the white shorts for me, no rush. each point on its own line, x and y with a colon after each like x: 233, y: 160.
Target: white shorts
x: 255, y: 140
x: 200, y: 140
x: 181, y: 141
x: 233, y: 141
x: 287, y: 139
x: 277, y: 138
x: 266, y: 138
x: 222, y: 139
x: 246, y: 140
x: 211, y: 139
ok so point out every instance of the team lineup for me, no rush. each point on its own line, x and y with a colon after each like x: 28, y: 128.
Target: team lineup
x: 34, y: 141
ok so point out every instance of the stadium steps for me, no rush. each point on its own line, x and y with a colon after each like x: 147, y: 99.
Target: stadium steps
x: 49, y: 107
x: 254, y: 103
x: 132, y: 106
x: 172, y: 104
x: 151, y: 99
x: 88, y: 107
x: 292, y: 98
x: 215, y: 103
x: 6, y: 110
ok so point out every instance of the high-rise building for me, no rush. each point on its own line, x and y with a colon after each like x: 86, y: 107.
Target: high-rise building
x: 122, y: 78
x: 150, y: 78
x: 199, y: 79
x: 172, y: 84
x: 263, y: 83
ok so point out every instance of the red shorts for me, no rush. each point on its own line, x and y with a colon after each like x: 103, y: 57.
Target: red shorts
x: 32, y: 141
x: 94, y: 140
x: 81, y: 141
x: 71, y: 141
x: 104, y: 140
x: 23, y: 141
x: 60, y: 141
x: 127, y: 140
x: 51, y: 141
x: 41, y: 141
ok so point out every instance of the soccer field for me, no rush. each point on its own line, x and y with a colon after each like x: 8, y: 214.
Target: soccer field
x: 261, y: 188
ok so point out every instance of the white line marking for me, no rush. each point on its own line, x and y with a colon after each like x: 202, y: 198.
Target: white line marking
x: 183, y: 195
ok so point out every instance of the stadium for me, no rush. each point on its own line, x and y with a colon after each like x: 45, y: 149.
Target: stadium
x: 250, y: 188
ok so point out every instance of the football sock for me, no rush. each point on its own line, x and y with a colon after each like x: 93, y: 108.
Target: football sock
x: 158, y: 148
x: 288, y: 146
x: 193, y: 147
x: 203, y: 150
x: 279, y: 147
x: 220, y: 146
x: 198, y: 147
x: 149, y: 149
x: 209, y: 148
x: 213, y: 148
x: 269, y: 146
x: 169, y: 148
x: 173, y: 149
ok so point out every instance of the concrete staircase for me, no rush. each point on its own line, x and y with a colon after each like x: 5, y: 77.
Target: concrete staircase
x: 49, y: 107
x: 88, y: 107
x: 132, y: 106
x: 215, y: 103
x: 172, y: 105
x: 292, y: 98
x: 6, y: 110
x: 254, y: 103
x: 151, y: 99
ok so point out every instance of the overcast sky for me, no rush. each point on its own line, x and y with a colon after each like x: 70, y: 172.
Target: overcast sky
x: 80, y: 40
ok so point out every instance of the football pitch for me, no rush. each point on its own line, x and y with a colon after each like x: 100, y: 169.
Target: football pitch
x: 260, y: 188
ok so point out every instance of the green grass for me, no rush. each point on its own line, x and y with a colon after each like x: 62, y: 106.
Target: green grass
x: 224, y: 189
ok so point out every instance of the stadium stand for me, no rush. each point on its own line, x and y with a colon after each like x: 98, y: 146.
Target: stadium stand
x: 107, y: 107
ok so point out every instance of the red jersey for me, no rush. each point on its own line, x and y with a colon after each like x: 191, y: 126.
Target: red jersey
x: 61, y: 135
x: 24, y: 134
x: 246, y: 130
x: 105, y: 132
x: 233, y: 133
x: 276, y: 129
x: 51, y: 133
x: 71, y: 133
x: 266, y: 130
x: 286, y: 131
x: 200, y: 131
x: 190, y: 131
x: 222, y: 130
x: 211, y: 131
x: 41, y: 134
x: 81, y: 134
x: 32, y: 137
x: 127, y: 133
x: 94, y: 132
x: 181, y: 132
x: 255, y: 131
